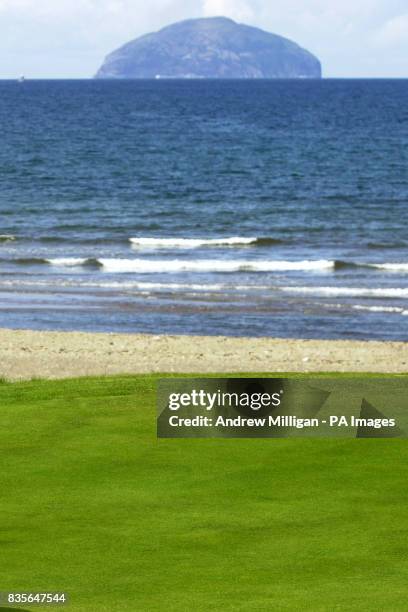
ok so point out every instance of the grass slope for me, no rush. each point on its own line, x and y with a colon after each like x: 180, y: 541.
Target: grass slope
x: 94, y: 505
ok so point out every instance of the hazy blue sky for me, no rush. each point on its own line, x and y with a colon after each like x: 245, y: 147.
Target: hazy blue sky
x: 69, y: 38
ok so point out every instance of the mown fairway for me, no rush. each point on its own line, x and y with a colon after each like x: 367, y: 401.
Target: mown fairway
x: 94, y: 505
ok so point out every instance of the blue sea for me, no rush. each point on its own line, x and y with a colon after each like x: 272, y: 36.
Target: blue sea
x: 242, y: 208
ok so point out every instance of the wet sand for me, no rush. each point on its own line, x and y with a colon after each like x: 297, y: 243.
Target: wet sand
x: 28, y: 354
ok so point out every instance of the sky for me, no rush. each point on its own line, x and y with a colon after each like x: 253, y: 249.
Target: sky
x: 70, y: 38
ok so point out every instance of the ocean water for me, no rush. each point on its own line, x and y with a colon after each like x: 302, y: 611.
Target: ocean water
x: 245, y: 208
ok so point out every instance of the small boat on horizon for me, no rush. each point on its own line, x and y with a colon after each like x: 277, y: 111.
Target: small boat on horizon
x: 21, y: 79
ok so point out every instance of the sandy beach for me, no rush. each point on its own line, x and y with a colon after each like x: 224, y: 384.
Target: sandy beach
x: 28, y: 354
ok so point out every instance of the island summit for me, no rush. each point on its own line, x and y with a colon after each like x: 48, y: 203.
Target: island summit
x: 211, y: 48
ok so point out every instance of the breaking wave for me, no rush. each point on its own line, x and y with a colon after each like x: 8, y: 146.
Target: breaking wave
x: 71, y: 262
x: 390, y: 267
x: 143, y: 266
x: 192, y: 243
x: 151, y: 266
x: 395, y: 309
x: 376, y: 292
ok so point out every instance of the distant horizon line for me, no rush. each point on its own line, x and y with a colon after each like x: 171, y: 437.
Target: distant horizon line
x: 92, y: 78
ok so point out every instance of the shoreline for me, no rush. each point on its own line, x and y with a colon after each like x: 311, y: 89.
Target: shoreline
x: 26, y: 354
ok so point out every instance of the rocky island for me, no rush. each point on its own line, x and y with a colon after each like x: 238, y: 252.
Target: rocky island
x: 212, y: 48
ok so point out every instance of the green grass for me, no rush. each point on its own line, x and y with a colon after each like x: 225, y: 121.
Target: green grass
x: 94, y: 505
